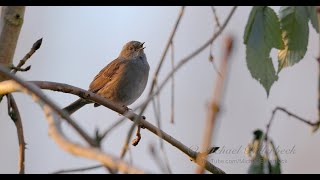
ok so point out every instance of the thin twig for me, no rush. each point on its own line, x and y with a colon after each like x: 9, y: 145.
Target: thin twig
x: 53, y: 115
x: 158, y: 106
x: 60, y: 87
x: 158, y: 160
x: 216, y: 19
x: 135, y: 141
x: 34, y: 48
x: 267, y: 139
x: 14, y: 113
x: 172, y: 85
x: 215, y: 103
x: 16, y: 69
x: 130, y: 156
x: 163, y: 151
x: 78, y: 169
x: 217, y: 26
x: 173, y: 32
x: 308, y: 122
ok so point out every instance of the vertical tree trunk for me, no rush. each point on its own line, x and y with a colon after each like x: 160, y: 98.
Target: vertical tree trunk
x: 11, y: 21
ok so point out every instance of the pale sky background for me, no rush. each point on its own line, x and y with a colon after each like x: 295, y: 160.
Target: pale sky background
x: 79, y: 41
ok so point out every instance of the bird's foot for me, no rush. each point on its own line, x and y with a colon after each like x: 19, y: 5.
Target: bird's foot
x: 126, y: 108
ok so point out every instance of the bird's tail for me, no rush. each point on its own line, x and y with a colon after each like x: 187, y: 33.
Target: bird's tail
x: 73, y: 107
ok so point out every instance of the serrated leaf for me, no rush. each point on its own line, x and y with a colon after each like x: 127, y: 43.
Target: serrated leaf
x: 262, y: 33
x: 261, y: 69
x: 270, y: 23
x: 312, y: 13
x: 249, y: 23
x: 295, y: 33
x: 273, y: 32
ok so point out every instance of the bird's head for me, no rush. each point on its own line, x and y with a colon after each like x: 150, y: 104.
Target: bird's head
x: 132, y: 50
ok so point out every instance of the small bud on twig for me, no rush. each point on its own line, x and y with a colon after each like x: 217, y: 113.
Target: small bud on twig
x: 37, y: 44
x: 228, y: 45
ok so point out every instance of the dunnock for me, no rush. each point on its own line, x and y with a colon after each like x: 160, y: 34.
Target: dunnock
x: 123, y: 80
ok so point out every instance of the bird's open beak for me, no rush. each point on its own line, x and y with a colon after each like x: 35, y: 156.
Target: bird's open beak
x: 141, y: 46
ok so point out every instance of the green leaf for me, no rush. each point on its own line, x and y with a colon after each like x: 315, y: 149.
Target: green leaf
x: 249, y: 23
x: 312, y: 14
x: 270, y: 23
x: 273, y: 32
x: 261, y: 69
x: 262, y: 33
x: 295, y: 34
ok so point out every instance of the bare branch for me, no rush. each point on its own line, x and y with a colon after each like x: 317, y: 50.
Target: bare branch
x: 155, y: 76
x: 14, y: 113
x: 172, y: 85
x: 34, y: 48
x: 78, y: 169
x: 164, y: 153
x: 10, y: 25
x: 8, y: 86
x: 217, y: 26
x: 5, y: 87
x: 216, y: 19
x: 215, y: 103
x: 16, y: 69
x: 53, y: 115
x: 308, y: 122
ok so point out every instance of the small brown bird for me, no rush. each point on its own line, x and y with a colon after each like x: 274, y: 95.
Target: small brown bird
x: 123, y: 80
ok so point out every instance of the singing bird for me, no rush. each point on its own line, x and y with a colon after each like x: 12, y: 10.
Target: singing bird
x: 123, y: 80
